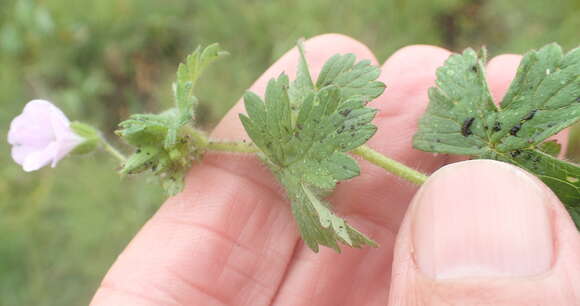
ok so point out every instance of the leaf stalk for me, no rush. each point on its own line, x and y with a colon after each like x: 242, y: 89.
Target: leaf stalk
x: 390, y: 165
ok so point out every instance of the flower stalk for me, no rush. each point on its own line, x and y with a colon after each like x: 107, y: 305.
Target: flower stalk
x: 113, y: 151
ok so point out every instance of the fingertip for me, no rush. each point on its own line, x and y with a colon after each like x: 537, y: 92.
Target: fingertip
x: 501, y: 70
x: 322, y: 47
x: 413, y: 60
x: 408, y: 74
x: 461, y: 229
x: 485, y: 232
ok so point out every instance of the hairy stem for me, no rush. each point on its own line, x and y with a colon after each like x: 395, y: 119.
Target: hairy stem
x: 365, y: 152
x: 113, y: 151
x: 390, y: 165
x: 232, y: 146
x: 198, y: 137
x: 203, y: 143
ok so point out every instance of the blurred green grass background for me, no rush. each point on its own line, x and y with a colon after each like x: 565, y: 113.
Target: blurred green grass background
x: 60, y: 229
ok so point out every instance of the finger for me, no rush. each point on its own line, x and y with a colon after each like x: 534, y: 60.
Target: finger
x: 227, y: 239
x: 486, y: 233
x: 501, y: 70
x: 375, y: 201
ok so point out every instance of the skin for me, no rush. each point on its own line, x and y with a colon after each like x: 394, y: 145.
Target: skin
x: 230, y: 238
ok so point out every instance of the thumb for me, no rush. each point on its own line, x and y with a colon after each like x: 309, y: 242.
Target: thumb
x: 484, y: 232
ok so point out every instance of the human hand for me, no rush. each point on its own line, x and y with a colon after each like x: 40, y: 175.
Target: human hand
x: 477, y: 233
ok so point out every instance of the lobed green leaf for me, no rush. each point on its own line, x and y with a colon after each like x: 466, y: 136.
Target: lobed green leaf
x: 304, y: 133
x: 543, y: 99
x: 353, y: 79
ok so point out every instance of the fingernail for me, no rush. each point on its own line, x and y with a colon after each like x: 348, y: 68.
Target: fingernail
x: 482, y: 218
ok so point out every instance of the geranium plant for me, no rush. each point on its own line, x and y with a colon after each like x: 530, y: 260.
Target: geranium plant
x: 305, y: 130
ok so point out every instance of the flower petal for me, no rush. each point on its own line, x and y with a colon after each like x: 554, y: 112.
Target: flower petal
x: 33, y: 127
x: 41, y: 135
x: 19, y: 153
x: 59, y: 122
x: 66, y: 143
x: 38, y: 159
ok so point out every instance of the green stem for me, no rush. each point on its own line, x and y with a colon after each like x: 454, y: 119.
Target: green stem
x: 198, y: 137
x: 113, y: 151
x: 232, y: 146
x: 365, y: 152
x: 203, y: 143
x: 390, y: 165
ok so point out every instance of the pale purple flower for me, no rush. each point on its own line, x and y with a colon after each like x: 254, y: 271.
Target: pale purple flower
x: 41, y: 135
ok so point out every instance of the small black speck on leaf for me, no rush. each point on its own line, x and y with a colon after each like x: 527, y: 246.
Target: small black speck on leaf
x: 345, y: 112
x: 515, y: 153
x: 514, y: 130
x: 466, y: 127
x: 530, y: 115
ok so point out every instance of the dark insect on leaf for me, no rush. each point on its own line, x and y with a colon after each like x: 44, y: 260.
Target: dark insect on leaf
x: 497, y: 126
x: 530, y: 115
x: 515, y: 153
x: 345, y: 112
x: 514, y: 130
x: 466, y: 128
